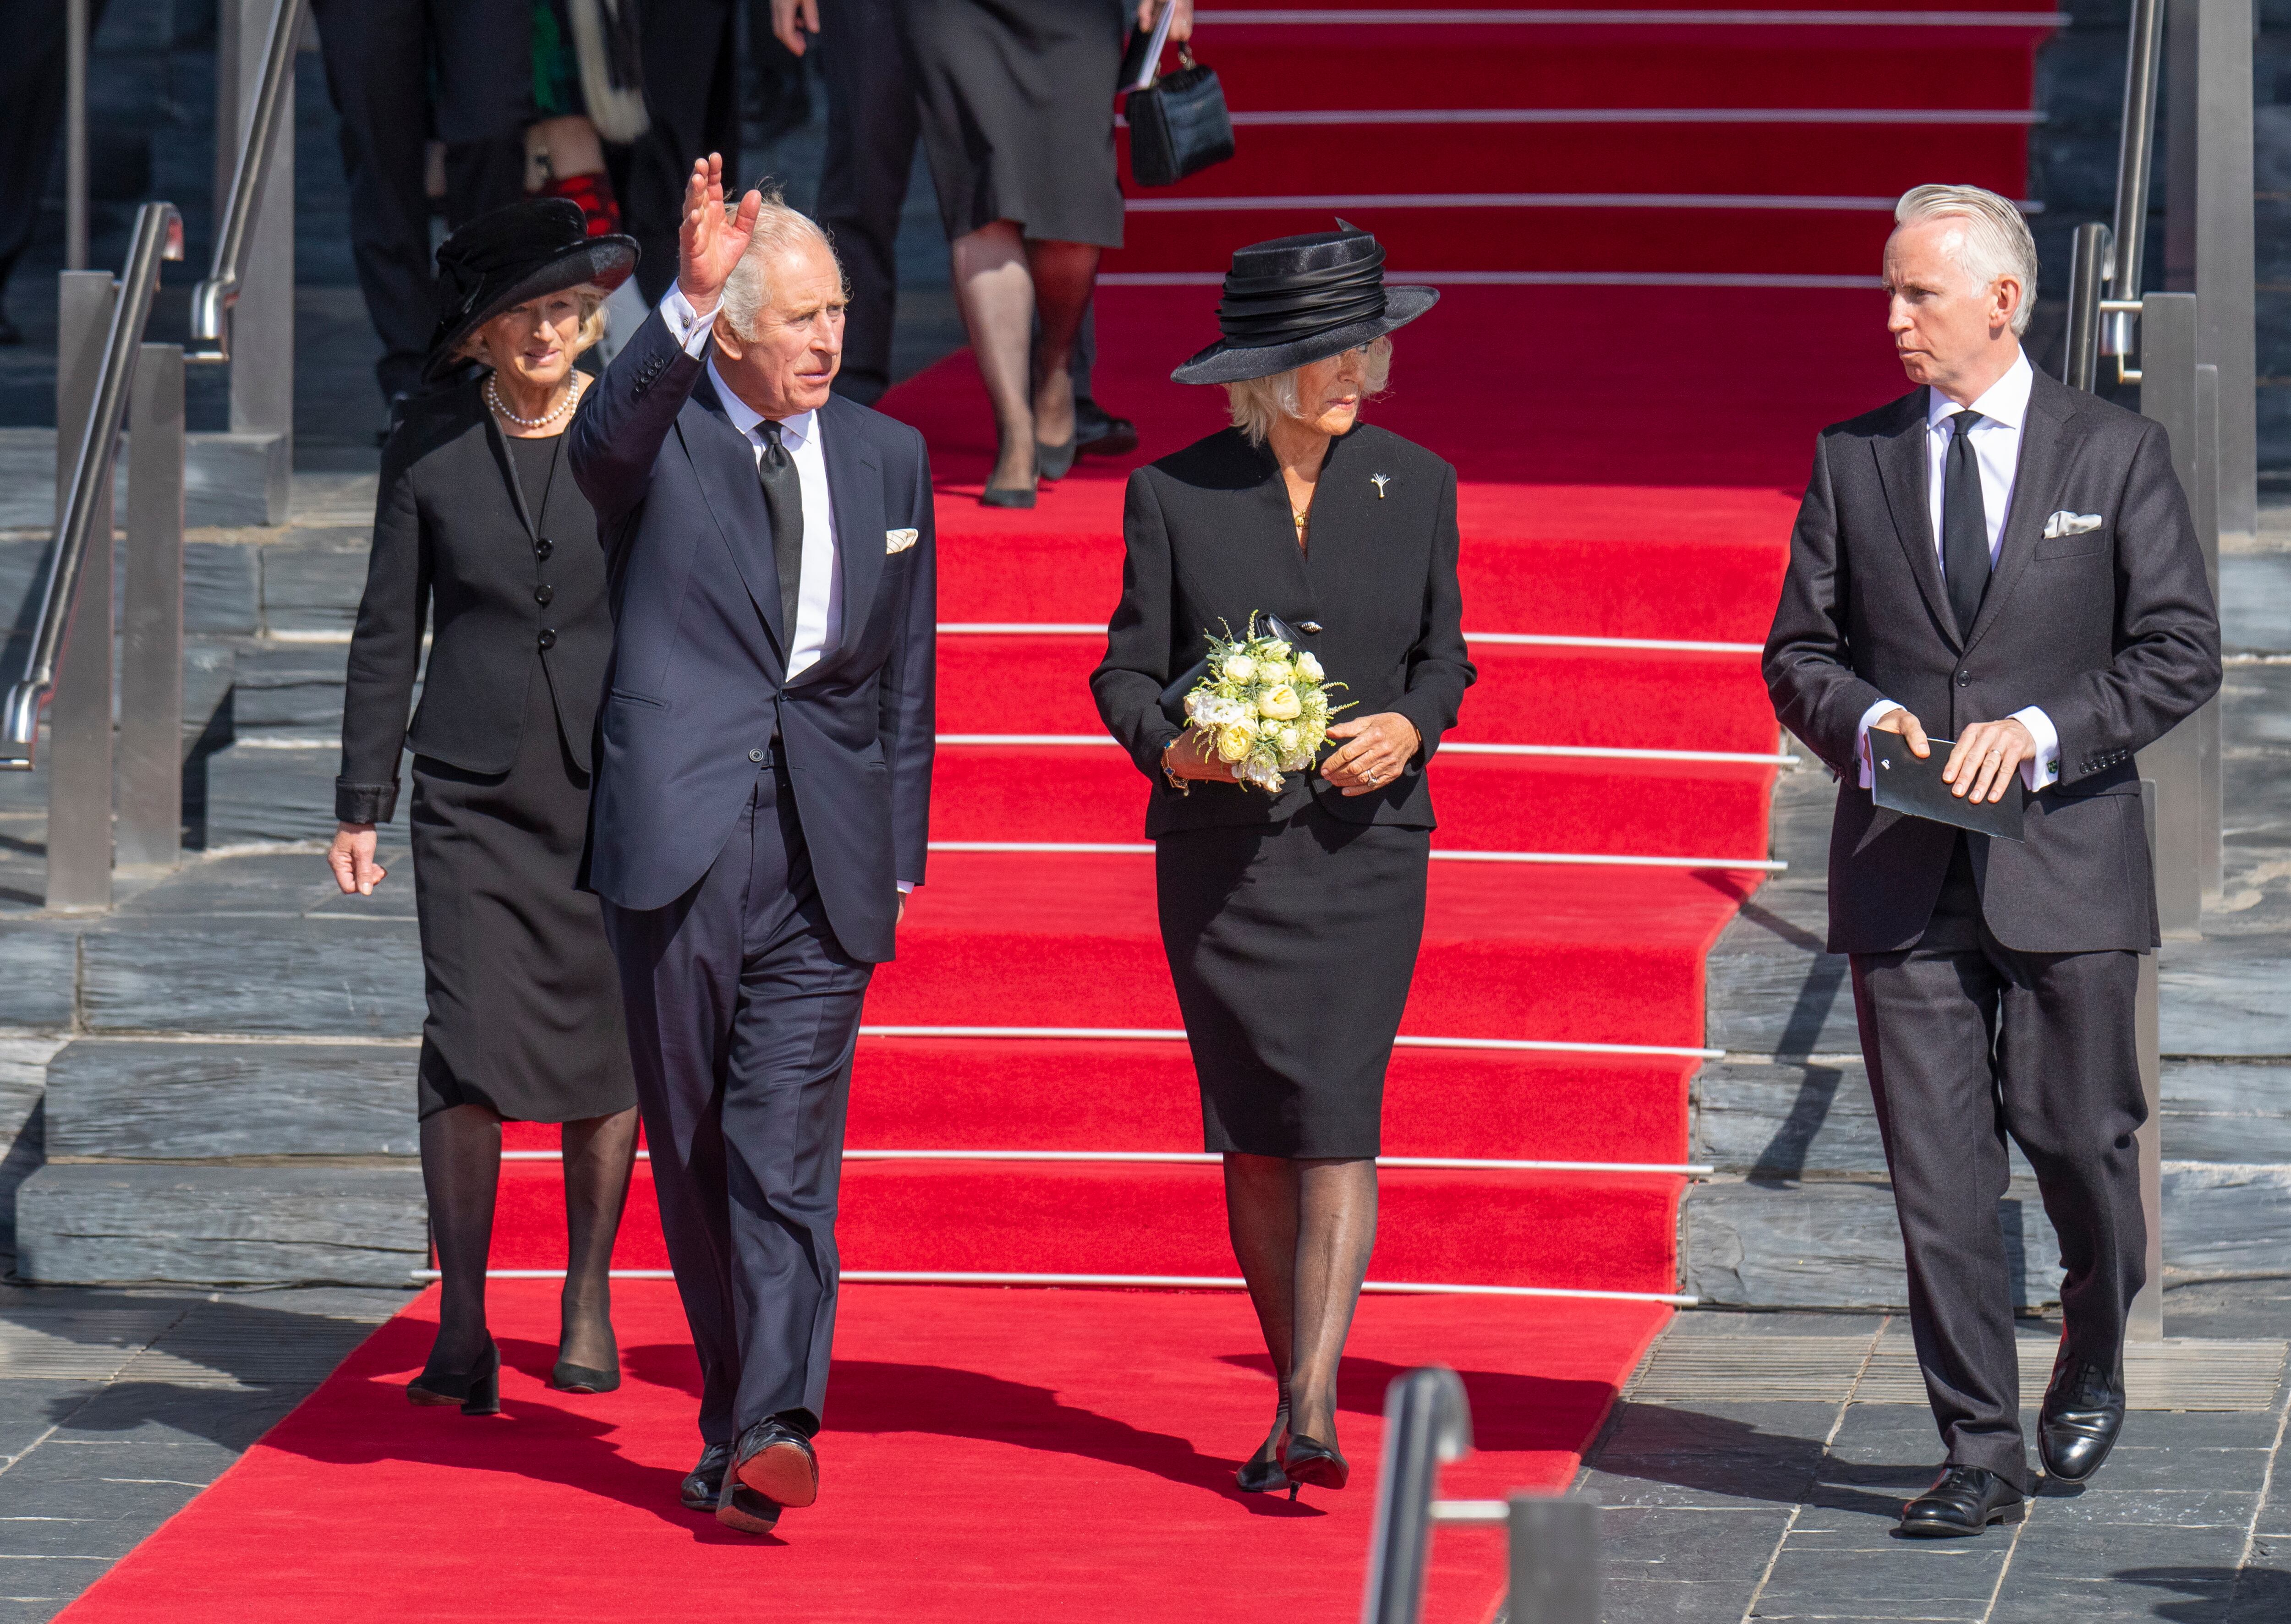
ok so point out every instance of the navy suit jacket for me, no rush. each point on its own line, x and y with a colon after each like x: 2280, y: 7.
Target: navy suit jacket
x: 697, y: 684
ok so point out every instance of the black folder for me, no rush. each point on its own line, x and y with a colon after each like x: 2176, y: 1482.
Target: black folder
x: 1903, y: 783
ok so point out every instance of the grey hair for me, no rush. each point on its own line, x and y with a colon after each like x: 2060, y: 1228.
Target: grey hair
x: 1260, y: 403
x: 779, y: 229
x: 1994, y: 240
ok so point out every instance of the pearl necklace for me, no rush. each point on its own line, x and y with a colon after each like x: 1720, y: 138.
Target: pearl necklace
x: 493, y: 399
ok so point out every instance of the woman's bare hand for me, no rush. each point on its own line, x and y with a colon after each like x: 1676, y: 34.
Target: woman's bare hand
x: 352, y: 859
x: 709, y: 243
x: 1181, y: 26
x: 1378, y: 749
x: 1193, y: 757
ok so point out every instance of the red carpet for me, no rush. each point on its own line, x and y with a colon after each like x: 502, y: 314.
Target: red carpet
x: 1644, y: 319
x: 991, y: 1455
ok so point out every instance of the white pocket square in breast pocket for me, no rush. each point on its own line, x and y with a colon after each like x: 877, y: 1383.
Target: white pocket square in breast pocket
x: 899, y: 541
x: 2065, y: 523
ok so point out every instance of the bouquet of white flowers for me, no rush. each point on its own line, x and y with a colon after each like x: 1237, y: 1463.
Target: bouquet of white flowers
x: 1262, y: 704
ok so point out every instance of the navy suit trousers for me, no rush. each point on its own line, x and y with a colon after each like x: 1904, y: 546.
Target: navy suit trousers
x: 742, y: 1013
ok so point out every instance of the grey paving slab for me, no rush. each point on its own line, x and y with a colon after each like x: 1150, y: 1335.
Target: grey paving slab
x: 291, y: 976
x: 313, y: 583
x: 258, y: 795
x: 38, y: 963
x: 193, y: 1100
x: 1786, y: 1120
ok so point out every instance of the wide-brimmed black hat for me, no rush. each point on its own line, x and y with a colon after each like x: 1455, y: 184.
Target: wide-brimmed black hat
x: 1297, y: 299
x: 499, y: 261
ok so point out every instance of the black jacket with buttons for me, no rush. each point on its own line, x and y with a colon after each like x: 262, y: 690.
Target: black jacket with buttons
x: 517, y: 597
x: 2111, y: 631
x: 1209, y: 539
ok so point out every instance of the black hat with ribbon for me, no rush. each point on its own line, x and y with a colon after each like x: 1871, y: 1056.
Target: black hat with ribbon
x: 501, y: 260
x: 1297, y: 299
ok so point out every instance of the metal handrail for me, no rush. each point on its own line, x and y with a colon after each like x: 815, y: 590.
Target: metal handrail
x: 212, y: 299
x: 1428, y: 1420
x: 158, y: 236
x: 2135, y: 157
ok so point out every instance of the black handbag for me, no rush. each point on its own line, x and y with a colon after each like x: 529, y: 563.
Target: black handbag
x: 1178, y: 125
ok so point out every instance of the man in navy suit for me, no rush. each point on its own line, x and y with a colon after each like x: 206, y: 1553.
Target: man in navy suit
x: 762, y: 796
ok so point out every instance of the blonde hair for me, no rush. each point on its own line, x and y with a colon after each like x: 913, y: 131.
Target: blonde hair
x: 1259, y: 403
x: 592, y: 324
x: 779, y: 229
x: 1994, y: 241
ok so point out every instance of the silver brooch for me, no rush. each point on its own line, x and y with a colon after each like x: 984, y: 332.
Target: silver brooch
x: 1380, y: 480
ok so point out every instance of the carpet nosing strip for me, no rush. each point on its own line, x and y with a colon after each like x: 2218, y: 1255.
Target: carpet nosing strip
x: 1836, y: 282
x: 1719, y: 202
x: 1622, y: 17
x: 1297, y: 117
x: 1084, y: 627
x: 1594, y: 752
x: 1109, y: 848
x: 1170, y: 1034
x: 1164, y: 1282
x: 1208, y: 1158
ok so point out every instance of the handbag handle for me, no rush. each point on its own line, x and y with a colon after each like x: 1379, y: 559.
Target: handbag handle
x: 1151, y: 70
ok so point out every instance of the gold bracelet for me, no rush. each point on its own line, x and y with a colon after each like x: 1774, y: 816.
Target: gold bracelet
x: 1183, y: 786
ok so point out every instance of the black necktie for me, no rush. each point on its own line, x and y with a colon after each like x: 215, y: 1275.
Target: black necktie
x: 1964, y: 524
x: 784, y: 502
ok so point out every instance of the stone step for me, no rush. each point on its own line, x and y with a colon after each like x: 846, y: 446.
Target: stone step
x: 314, y: 977
x: 150, y: 1100
x: 200, y: 1223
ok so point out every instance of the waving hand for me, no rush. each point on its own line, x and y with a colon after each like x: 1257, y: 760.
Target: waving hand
x: 710, y: 242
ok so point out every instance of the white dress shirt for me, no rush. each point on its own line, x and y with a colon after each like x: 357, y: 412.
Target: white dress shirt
x: 1996, y: 451
x: 819, y: 592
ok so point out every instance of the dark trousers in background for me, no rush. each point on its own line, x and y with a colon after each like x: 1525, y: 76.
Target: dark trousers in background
x: 689, y: 50
x: 1967, y: 1040
x: 872, y: 125
x: 742, y: 1014
x: 380, y: 56
x: 32, y: 90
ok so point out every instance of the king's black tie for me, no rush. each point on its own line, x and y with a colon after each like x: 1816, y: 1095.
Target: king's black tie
x: 784, y: 502
x: 1964, y: 524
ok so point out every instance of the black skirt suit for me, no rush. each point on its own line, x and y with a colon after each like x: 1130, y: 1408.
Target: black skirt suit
x: 1291, y: 921
x: 490, y: 536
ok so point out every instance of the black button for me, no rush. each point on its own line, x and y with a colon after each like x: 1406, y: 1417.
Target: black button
x: 755, y: 755
x: 542, y: 548
x: 548, y: 637
x: 543, y: 593
x: 1962, y: 680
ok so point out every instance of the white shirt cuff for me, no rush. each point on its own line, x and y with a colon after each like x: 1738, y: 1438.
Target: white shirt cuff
x: 905, y: 885
x: 686, y: 324
x: 2043, y: 770
x: 1868, y: 774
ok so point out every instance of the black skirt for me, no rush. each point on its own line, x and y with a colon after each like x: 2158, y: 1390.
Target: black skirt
x: 524, y: 1000
x: 1293, y: 945
x: 1017, y: 114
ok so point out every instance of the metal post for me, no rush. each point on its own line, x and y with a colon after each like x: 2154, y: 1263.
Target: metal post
x: 263, y: 321
x: 2210, y: 226
x: 79, y: 717
x: 2145, y: 1322
x: 2211, y: 790
x: 1554, y: 1561
x: 2167, y: 394
x: 2088, y: 252
x: 2134, y: 158
x: 1427, y: 1420
x: 150, y: 831
x: 76, y: 135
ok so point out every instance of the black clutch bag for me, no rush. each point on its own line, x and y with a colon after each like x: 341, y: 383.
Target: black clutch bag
x: 1173, y: 697
x: 1178, y: 125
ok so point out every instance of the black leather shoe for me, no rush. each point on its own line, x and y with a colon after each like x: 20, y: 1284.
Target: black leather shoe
x: 704, y: 1484
x: 777, y: 1462
x: 2083, y: 1413
x: 1099, y: 433
x: 1964, y: 1499
x: 743, y: 1510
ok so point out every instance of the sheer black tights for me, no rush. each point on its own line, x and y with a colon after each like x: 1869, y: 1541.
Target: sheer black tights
x: 461, y: 1170
x: 1303, y: 1230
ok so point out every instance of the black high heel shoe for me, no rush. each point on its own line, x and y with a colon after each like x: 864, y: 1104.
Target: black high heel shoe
x: 567, y: 1377
x: 1014, y: 495
x: 1055, y: 462
x: 1261, y: 1473
x: 1308, y: 1461
x: 477, y: 1389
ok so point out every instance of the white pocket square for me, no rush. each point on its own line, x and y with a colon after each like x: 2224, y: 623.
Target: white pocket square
x: 2065, y: 523
x: 899, y: 541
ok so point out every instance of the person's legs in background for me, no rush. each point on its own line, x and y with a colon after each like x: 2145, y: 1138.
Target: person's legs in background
x: 873, y: 126
x: 691, y: 73
x: 1004, y: 284
x: 32, y: 90
x: 1096, y: 431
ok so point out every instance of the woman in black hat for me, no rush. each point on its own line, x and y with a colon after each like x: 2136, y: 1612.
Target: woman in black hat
x: 479, y: 526
x: 1291, y: 921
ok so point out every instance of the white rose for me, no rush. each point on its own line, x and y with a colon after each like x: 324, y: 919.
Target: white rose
x: 1273, y: 671
x: 1193, y: 706
x: 1279, y: 650
x: 1309, y: 668
x: 1233, y: 743
x: 1268, y: 728
x: 1287, y: 738
x: 1281, y: 704
x: 1239, y: 668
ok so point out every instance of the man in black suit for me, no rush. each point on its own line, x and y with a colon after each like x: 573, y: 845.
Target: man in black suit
x: 2000, y: 557
x: 762, y: 792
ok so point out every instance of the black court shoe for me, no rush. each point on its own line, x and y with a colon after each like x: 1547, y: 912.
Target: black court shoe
x: 1014, y: 495
x: 1307, y: 1461
x: 1054, y: 462
x: 567, y: 1377
x: 477, y: 1389
x: 2083, y: 1413
x: 1963, y: 1500
x: 1261, y: 1473
x: 704, y: 1484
